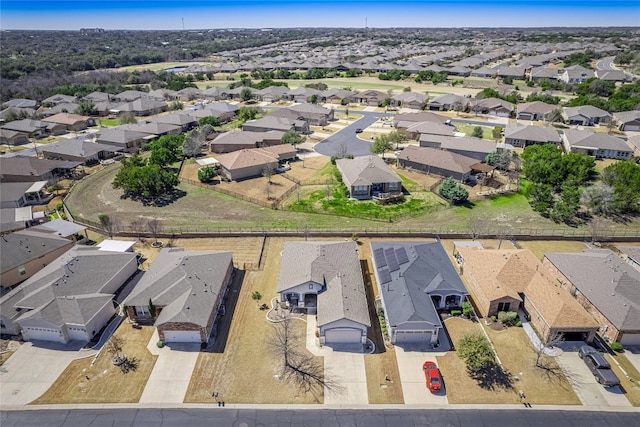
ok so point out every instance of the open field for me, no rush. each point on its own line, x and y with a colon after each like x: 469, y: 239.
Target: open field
x: 103, y: 382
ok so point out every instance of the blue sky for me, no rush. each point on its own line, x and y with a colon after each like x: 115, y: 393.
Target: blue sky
x: 203, y: 14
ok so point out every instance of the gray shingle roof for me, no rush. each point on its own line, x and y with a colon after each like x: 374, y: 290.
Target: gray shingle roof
x: 366, y: 170
x: 77, y: 147
x: 23, y: 246
x: 609, y: 283
x: 405, y: 289
x: 334, y: 265
x: 185, y: 283
x: 594, y: 140
x: 531, y: 133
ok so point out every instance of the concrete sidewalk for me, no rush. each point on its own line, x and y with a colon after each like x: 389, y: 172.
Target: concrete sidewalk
x: 171, y: 374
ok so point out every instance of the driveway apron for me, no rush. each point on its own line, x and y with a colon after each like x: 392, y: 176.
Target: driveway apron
x: 414, y: 387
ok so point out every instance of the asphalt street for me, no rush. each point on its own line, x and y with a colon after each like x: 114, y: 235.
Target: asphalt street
x: 370, y: 417
x: 605, y: 64
x: 346, y: 140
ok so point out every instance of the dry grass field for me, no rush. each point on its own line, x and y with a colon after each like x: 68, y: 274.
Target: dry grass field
x: 629, y: 379
x: 102, y: 381
x: 378, y: 367
x: 539, y: 247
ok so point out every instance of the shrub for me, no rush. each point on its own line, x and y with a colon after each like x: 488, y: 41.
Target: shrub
x: 519, y: 324
x: 508, y: 317
x: 616, y: 346
x: 467, y: 309
x: 160, y: 344
x: 60, y: 206
x: 456, y: 312
x: 493, y: 318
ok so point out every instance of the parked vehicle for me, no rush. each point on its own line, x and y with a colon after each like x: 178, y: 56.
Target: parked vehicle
x: 598, y: 365
x: 283, y: 168
x: 432, y: 376
x: 358, y: 130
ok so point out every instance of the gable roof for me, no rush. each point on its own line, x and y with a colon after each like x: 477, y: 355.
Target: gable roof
x: 31, y: 166
x: 366, y: 170
x: 422, y: 268
x: 119, y: 135
x: 531, y: 133
x: 463, y: 143
x: 424, y: 116
x: 589, y: 139
x: 186, y: 284
x: 609, y: 283
x: 535, y: 107
x: 336, y: 266
x: 442, y: 159
x: 20, y: 247
x: 585, y: 110
x: 431, y: 128
x: 78, y: 147
x: 245, y: 158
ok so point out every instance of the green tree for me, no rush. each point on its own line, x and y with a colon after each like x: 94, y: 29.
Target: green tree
x: 475, y: 349
x: 499, y: 159
x: 397, y: 137
x: 246, y: 94
x: 451, y: 190
x: 166, y: 150
x: 194, y: 140
x: 206, y: 174
x: 86, y: 108
x: 381, y: 145
x: 176, y: 105
x: 247, y: 113
x: 212, y: 121
x: 624, y: 178
x: 477, y: 132
x: 555, y: 116
x: 496, y: 132
x: 292, y: 137
x: 126, y: 118
x: 256, y: 296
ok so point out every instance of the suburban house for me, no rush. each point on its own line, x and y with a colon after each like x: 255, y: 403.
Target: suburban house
x: 273, y: 123
x: 415, y: 280
x: 372, y: 97
x: 613, y: 76
x: 606, y: 286
x: 544, y: 73
x: 494, y: 107
x: 31, y: 169
x: 521, y: 136
x: 69, y: 299
x: 484, y: 72
x: 246, y: 163
x: 185, y: 121
x: 475, y: 148
x: 98, y: 96
x: 289, y: 117
x: 631, y: 254
x: 449, y: 102
x: 153, y: 129
x: 413, y: 130
x: 435, y: 161
x: 129, y: 96
x: 368, y: 176
x: 126, y: 140
x: 182, y: 294
x: 585, y: 115
x: 26, y: 252
x: 237, y: 140
x: 634, y: 144
x: 272, y: 93
x: 511, y: 72
x: 78, y: 150
x: 59, y: 99
x: 515, y: 280
x: 536, y: 110
x: 223, y: 110
x: 57, y: 109
x: 63, y: 228
x: 35, y: 128
x: 164, y: 94
x: 336, y: 96
x: 19, y: 194
x: 142, y: 107
x: 313, y: 114
x: 576, y: 74
x: 596, y: 144
x: 423, y: 116
x: 413, y: 100
x: 72, y: 122
x: 325, y: 279
x: 189, y: 94
x: 303, y: 94
x: 459, y: 71
x: 14, y: 219
x: 21, y: 103
x: 628, y: 120
x: 12, y: 137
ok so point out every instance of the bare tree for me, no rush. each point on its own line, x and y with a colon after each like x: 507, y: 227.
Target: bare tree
x: 155, y: 227
x: 552, y: 340
x: 114, y: 345
x: 267, y: 190
x: 110, y: 224
x: 137, y: 225
x: 503, y: 232
x: 342, y: 151
x: 477, y: 227
x: 193, y: 142
x: 267, y: 172
x: 298, y: 367
x: 598, y: 227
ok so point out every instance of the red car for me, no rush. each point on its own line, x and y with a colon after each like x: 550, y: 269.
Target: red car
x: 432, y: 376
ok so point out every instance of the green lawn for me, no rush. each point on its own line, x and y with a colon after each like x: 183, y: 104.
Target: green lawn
x: 468, y: 129
x: 109, y: 122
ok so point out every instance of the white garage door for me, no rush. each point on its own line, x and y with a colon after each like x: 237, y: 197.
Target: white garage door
x: 343, y: 336
x: 182, y: 336
x: 42, y: 334
x: 413, y: 337
x: 634, y: 128
x: 630, y: 339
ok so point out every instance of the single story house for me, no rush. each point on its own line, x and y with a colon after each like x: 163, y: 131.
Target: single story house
x: 413, y: 100
x: 35, y: 128
x: 59, y: 99
x: 576, y: 74
x: 237, y: 140
x: 534, y: 111
x: 494, y: 107
x: 63, y: 228
x: 585, y: 115
x: 325, y: 278
x: 14, y: 219
x: 415, y: 129
x: 126, y: 140
x: 142, y: 107
x: 26, y: 252
x: 32, y: 169
x: 272, y: 93
x: 634, y: 143
x: 613, y: 76
x: 544, y: 73
x: 628, y: 120
x: 449, y: 102
x: 484, y: 72
x: 273, y: 123
x: 368, y: 176
x: 512, y: 72
x: 185, y: 121
x: 129, y: 96
x: 336, y: 96
x: 435, y: 161
x: 153, y: 129
x: 423, y: 116
x: 372, y: 97
x: 303, y: 94
x: 515, y: 280
x: 313, y: 114
x: 72, y: 122
x: 596, y: 144
x: 606, y: 286
x: 20, y: 103
x: 475, y: 148
x: 98, y: 96
x: 69, y: 299
x: 19, y: 194
x: 521, y: 136
x: 79, y: 150
x: 13, y: 137
x: 415, y: 280
x: 182, y: 294
x: 631, y: 254
x: 245, y: 163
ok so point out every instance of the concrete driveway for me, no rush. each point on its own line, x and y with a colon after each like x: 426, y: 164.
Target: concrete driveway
x: 32, y: 369
x: 171, y: 374
x: 414, y: 387
x: 633, y: 354
x: 584, y: 383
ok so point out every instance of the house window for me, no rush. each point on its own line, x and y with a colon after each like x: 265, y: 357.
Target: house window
x: 504, y: 306
x: 310, y: 285
x: 394, y: 185
x: 22, y: 270
x: 142, y: 311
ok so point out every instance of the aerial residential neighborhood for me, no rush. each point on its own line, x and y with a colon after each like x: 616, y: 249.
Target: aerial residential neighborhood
x: 322, y: 219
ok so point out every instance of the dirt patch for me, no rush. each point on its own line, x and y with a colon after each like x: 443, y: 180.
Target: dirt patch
x: 303, y: 171
x: 539, y: 247
x: 383, y: 378
x: 102, y: 381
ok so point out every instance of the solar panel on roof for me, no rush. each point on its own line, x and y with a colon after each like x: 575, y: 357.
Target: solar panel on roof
x: 384, y: 276
x: 392, y: 262
x: 378, y: 257
x: 401, y: 255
